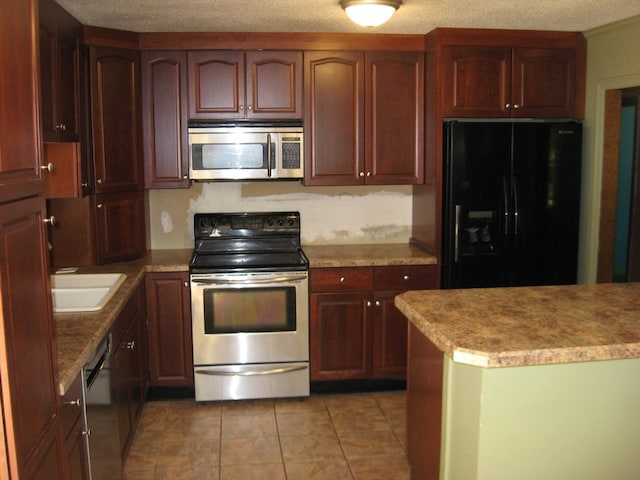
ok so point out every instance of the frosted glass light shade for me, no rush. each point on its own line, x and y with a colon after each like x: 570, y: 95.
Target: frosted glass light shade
x: 370, y: 13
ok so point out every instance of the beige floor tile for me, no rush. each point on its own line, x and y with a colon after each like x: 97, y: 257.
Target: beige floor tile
x: 193, y: 409
x: 393, y: 467
x: 369, y: 443
x: 204, y: 452
x: 247, y: 407
x: 188, y: 472
x: 245, y: 451
x: 249, y: 426
x: 319, y: 470
x: 356, y: 401
x: 313, y: 403
x: 310, y: 447
x: 305, y: 423
x: 360, y: 419
x: 253, y: 472
x: 141, y: 474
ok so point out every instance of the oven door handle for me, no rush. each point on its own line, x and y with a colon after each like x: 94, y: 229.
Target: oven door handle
x: 247, y: 373
x: 246, y: 280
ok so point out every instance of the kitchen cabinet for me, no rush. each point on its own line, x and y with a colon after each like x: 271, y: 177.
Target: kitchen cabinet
x: 30, y: 444
x: 74, y: 431
x: 356, y: 332
x: 164, y: 119
x: 364, y: 118
x: 60, y: 90
x: 170, y: 345
x: 233, y: 84
x: 509, y: 82
x: 29, y: 397
x: 98, y: 229
x: 116, y: 122
x: 129, y: 366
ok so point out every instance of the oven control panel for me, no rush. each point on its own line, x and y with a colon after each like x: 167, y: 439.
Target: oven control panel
x: 209, y: 225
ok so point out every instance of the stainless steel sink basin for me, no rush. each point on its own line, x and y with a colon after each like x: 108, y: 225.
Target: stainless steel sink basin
x: 83, y: 292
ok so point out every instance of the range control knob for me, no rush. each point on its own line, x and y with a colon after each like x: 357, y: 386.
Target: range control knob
x: 291, y: 222
x: 204, y: 222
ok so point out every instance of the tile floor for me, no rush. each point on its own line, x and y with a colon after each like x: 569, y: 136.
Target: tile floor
x: 326, y: 436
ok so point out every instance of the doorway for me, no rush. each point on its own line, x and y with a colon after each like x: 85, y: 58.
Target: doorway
x: 619, y: 235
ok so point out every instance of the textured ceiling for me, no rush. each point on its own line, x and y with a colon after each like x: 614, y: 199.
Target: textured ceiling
x: 413, y: 17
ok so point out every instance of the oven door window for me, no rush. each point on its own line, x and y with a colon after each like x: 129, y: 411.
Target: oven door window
x: 234, y: 310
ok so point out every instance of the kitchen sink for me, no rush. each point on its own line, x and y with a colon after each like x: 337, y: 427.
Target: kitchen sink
x: 83, y: 292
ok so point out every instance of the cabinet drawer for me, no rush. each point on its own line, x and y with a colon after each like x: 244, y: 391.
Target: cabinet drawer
x: 406, y: 277
x: 341, y: 279
x: 72, y: 405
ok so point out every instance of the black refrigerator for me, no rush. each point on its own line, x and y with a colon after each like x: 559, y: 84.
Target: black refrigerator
x: 511, y: 203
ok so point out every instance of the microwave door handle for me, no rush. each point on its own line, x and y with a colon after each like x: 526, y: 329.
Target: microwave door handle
x: 269, y: 147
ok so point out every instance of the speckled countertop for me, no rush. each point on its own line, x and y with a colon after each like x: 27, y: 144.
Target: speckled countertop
x: 366, y: 255
x: 503, y: 327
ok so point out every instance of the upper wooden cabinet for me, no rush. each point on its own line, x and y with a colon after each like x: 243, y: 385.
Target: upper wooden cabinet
x: 115, y: 108
x: 164, y: 119
x: 512, y: 75
x: 245, y: 85
x: 60, y: 87
x: 364, y: 118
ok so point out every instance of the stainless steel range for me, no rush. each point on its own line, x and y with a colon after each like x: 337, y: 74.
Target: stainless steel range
x: 250, y: 306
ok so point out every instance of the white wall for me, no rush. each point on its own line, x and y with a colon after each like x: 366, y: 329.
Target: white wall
x: 613, y: 62
x: 337, y: 215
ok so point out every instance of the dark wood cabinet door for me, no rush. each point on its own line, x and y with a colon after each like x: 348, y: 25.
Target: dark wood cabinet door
x: 340, y: 336
x: 164, y: 119
x: 117, y: 150
x: 476, y: 81
x: 169, y: 313
x: 27, y: 355
x: 544, y: 82
x: 394, y: 114
x: 120, y: 226
x: 20, y: 174
x: 274, y: 84
x: 77, y: 456
x: 389, y: 338
x: 334, y: 118
x: 59, y: 73
x: 216, y: 84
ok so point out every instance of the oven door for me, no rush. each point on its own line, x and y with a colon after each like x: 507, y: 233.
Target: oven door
x: 250, y: 318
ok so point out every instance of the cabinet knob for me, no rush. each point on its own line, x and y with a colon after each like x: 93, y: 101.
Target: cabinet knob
x: 73, y: 403
x: 508, y: 105
x: 99, y: 205
x: 516, y: 106
x: 99, y: 181
x: 362, y: 174
x: 342, y: 279
x: 48, y: 167
x: 87, y: 432
x: 405, y: 278
x: 241, y: 108
x: 50, y: 221
x: 368, y: 303
x: 130, y: 345
x: 185, y: 177
x: 368, y: 174
x: 61, y: 127
x: 186, y: 284
x: 250, y: 107
x: 378, y: 303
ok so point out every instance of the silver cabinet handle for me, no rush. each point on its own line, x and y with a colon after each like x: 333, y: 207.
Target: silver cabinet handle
x: 51, y: 220
x: 130, y: 345
x: 48, y: 167
x: 73, y: 403
x: 61, y: 127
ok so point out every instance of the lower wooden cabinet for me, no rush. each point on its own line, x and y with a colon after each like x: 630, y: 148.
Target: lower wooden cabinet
x: 356, y: 331
x: 129, y: 367
x: 74, y: 432
x: 170, y: 347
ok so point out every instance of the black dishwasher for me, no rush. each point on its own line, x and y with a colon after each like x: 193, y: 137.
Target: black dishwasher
x: 102, y: 416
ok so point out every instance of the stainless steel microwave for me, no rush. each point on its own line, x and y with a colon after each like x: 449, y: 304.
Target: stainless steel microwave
x: 246, y: 152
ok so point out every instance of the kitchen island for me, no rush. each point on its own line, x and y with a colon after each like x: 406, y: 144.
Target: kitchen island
x: 526, y: 383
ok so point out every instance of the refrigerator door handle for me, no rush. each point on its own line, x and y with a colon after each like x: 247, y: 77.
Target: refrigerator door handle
x: 456, y: 234
x: 516, y: 209
x: 505, y: 211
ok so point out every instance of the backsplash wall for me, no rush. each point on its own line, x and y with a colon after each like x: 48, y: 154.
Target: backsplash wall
x: 330, y: 215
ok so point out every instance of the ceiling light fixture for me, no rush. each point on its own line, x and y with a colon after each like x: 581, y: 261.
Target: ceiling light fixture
x: 370, y: 13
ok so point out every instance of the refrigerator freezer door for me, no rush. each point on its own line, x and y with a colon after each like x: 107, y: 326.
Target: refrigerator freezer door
x: 476, y: 206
